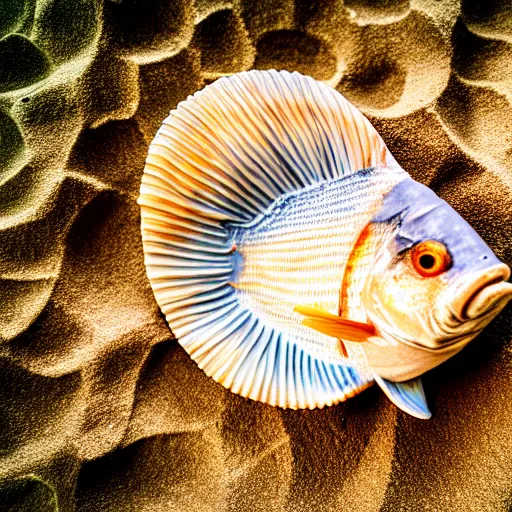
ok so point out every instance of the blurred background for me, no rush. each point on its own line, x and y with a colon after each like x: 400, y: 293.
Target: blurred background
x: 100, y: 408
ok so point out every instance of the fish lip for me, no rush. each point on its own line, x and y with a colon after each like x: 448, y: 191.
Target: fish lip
x: 489, y: 283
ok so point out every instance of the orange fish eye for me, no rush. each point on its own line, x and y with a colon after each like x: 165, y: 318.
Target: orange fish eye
x: 430, y: 258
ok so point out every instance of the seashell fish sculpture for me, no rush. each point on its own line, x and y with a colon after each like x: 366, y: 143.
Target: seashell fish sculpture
x: 293, y: 258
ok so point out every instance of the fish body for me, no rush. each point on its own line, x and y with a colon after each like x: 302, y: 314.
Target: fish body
x: 294, y: 259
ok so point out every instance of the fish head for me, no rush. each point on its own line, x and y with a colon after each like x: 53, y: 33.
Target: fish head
x: 434, y: 287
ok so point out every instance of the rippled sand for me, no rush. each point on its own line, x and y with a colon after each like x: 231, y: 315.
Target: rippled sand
x: 100, y: 409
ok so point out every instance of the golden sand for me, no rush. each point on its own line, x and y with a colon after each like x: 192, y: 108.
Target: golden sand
x: 100, y: 408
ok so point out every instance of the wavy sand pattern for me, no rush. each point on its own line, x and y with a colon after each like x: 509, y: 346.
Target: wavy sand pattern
x: 100, y: 408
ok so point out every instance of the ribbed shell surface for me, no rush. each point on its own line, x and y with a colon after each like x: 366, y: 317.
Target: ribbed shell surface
x: 267, y: 161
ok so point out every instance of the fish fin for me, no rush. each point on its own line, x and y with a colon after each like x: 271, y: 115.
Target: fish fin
x: 333, y: 325
x: 408, y: 396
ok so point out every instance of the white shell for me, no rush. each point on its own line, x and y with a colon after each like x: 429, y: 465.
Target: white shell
x: 232, y: 155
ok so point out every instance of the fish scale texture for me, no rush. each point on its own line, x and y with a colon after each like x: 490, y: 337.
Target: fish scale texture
x: 297, y: 253
x: 100, y: 407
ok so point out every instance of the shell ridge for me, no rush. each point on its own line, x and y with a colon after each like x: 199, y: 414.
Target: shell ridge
x: 309, y: 171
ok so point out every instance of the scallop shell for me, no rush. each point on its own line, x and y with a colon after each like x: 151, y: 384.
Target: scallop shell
x: 251, y: 159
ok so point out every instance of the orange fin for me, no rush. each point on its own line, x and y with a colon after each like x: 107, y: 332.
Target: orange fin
x: 334, y: 326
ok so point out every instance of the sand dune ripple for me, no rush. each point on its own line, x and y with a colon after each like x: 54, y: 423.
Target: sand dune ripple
x: 100, y: 408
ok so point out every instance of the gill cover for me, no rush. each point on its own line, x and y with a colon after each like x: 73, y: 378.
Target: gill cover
x: 412, y: 310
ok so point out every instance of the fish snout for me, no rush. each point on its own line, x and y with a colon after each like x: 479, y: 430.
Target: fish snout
x: 482, y: 292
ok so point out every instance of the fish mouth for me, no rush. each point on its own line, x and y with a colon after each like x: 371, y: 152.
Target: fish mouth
x: 482, y: 293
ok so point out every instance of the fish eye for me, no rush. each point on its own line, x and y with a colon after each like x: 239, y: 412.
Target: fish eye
x: 430, y: 258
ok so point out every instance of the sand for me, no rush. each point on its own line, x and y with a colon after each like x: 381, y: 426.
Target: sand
x: 100, y: 408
